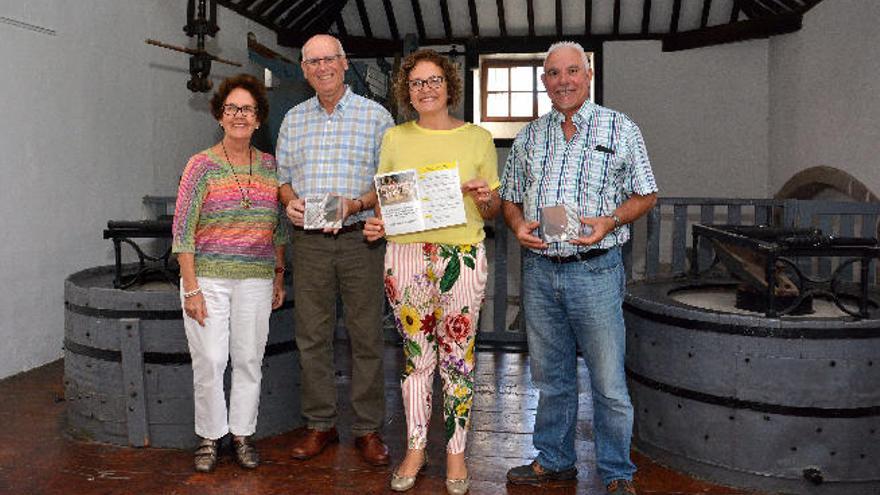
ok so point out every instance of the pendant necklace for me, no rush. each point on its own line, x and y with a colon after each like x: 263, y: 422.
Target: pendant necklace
x: 245, y: 199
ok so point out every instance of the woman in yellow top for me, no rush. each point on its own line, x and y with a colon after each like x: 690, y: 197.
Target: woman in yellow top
x: 435, y: 280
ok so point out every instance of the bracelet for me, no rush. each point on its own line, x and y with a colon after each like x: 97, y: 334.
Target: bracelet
x: 280, y: 269
x: 192, y: 293
x: 359, y: 200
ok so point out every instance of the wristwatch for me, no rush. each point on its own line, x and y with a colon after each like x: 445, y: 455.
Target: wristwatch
x: 617, y: 222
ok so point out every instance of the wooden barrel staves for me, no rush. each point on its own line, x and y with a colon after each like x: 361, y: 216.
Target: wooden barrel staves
x: 127, y: 371
x: 788, y: 404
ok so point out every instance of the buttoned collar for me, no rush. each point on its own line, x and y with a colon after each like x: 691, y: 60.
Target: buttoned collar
x: 581, y: 116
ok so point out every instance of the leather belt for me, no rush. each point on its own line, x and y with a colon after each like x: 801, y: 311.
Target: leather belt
x: 357, y: 226
x: 586, y: 255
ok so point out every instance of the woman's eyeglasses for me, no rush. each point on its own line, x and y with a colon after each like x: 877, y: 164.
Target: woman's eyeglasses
x: 432, y: 82
x: 231, y: 110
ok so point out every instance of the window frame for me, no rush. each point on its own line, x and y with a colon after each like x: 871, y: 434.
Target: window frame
x: 508, y: 63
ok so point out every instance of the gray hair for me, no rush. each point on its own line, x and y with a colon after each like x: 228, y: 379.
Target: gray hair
x: 570, y: 44
x: 334, y: 38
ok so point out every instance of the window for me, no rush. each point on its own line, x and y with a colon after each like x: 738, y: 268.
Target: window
x: 512, y: 91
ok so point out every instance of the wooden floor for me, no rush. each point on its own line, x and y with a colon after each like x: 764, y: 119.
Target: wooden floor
x: 37, y: 457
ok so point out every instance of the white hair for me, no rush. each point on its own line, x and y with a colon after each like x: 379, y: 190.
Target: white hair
x: 334, y: 38
x: 569, y: 44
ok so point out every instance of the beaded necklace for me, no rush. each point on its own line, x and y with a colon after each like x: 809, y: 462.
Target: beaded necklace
x: 245, y: 198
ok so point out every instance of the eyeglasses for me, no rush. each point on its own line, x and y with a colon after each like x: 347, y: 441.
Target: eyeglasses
x: 432, y: 82
x: 231, y: 110
x: 314, y: 62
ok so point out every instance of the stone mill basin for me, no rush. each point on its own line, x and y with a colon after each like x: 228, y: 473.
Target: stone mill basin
x: 788, y: 404
x: 127, y: 369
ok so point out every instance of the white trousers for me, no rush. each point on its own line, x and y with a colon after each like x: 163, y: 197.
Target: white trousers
x: 238, y: 326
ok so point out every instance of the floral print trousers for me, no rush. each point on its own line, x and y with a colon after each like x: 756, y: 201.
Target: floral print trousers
x: 435, y: 291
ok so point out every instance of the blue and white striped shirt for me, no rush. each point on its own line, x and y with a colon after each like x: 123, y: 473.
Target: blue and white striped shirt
x: 337, y: 153
x: 603, y: 164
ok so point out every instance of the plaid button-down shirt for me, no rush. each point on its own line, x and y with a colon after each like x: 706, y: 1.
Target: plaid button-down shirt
x: 337, y: 153
x: 598, y: 169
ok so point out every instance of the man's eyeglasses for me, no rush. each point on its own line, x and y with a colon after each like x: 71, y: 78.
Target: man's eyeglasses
x: 432, y: 82
x: 231, y: 110
x: 314, y: 62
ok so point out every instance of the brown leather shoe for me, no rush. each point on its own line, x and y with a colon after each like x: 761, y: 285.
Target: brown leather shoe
x: 312, y: 442
x: 372, y: 449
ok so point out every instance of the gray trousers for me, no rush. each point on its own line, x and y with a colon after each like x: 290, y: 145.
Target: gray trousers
x: 325, y: 266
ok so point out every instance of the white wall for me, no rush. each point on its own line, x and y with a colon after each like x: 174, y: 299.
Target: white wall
x: 93, y: 120
x: 703, y: 113
x: 825, y: 94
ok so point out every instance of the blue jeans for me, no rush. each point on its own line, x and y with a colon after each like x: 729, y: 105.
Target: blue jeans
x: 571, y: 305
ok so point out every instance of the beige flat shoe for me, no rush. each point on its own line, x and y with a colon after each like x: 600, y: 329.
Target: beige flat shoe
x: 403, y: 483
x: 458, y: 487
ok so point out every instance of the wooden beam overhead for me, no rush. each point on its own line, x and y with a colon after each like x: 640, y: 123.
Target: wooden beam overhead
x: 246, y: 4
x: 247, y: 14
x: 646, y: 16
x: 444, y: 12
x: 530, y: 14
x: 704, y: 15
x: 475, y: 24
x: 588, y: 16
x: 502, y: 24
x: 319, y: 21
x: 340, y: 26
x: 392, y: 21
x: 791, y: 5
x: 734, y: 11
x: 365, y: 19
x: 730, y: 33
x: 676, y: 15
x: 559, y: 18
x: 294, y: 14
x: 616, y: 29
x: 264, y: 6
x: 420, y: 22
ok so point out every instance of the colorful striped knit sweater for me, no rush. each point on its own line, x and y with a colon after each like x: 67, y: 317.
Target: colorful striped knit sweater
x: 228, y: 240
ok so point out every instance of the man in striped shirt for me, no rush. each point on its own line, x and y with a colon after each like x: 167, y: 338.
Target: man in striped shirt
x: 329, y: 144
x: 592, y: 160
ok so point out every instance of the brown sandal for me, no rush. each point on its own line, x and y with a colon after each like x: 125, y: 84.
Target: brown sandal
x: 206, y: 456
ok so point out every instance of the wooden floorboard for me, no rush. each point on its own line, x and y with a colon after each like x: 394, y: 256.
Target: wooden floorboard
x: 38, y: 457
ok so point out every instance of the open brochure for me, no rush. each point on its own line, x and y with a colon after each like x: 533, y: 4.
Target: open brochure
x: 422, y: 198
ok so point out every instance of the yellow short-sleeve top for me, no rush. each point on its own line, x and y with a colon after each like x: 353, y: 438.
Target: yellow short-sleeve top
x: 410, y: 146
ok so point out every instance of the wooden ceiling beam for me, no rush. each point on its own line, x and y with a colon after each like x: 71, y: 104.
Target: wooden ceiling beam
x: 769, y: 6
x: 365, y: 19
x: 588, y: 17
x: 646, y: 16
x: 676, y: 16
x: 502, y: 23
x: 246, y: 4
x: 444, y: 12
x: 299, y: 12
x: 616, y: 29
x: 319, y: 22
x: 475, y: 23
x: 340, y: 26
x: 262, y: 7
x: 791, y: 5
x: 247, y: 14
x: 704, y: 15
x: 559, y: 18
x: 730, y: 33
x: 734, y: 11
x: 530, y: 15
x: 392, y: 21
x: 420, y: 22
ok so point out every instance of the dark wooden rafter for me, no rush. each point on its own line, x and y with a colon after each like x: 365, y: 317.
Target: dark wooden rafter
x: 322, y: 19
x: 340, y: 25
x: 530, y: 15
x: 646, y: 16
x: 790, y: 5
x: 729, y: 33
x: 776, y: 7
x: 735, y: 9
x: 392, y: 21
x: 704, y: 15
x: 761, y: 10
x: 502, y: 23
x: 588, y: 17
x: 559, y: 18
x: 420, y: 22
x: 676, y: 16
x: 247, y: 14
x: 475, y: 23
x: 279, y: 8
x: 365, y: 19
x: 444, y: 13
x: 616, y: 29
x: 246, y: 4
x: 301, y: 11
